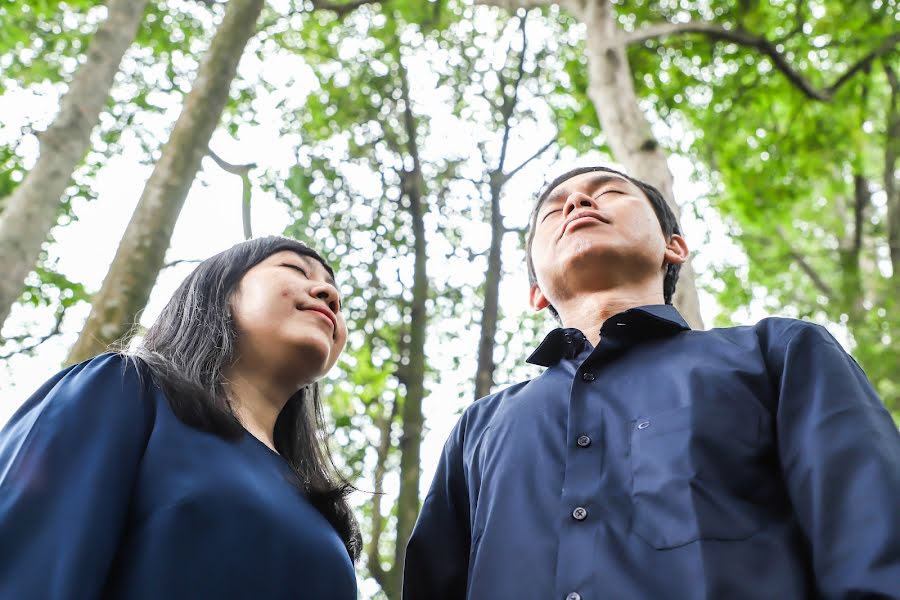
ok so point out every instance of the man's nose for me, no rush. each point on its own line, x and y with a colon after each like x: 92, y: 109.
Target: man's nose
x: 578, y: 200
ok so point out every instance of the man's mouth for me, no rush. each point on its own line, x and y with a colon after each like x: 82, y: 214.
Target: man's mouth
x: 579, y: 217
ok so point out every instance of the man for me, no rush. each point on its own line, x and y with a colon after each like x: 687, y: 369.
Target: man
x: 652, y: 461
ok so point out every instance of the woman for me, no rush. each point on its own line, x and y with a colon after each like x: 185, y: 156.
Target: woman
x: 193, y: 468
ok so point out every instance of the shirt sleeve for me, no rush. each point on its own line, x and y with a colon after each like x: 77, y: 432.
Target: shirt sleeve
x: 68, y: 462
x: 840, y: 454
x: 437, y: 556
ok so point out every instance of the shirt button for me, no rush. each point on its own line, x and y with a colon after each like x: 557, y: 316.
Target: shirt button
x: 574, y: 596
x: 587, y: 376
x: 579, y: 514
x: 584, y: 441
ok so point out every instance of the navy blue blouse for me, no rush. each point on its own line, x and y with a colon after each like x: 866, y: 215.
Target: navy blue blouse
x: 742, y: 463
x: 104, y: 493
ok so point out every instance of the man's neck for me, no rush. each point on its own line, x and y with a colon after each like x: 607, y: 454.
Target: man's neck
x: 588, y: 311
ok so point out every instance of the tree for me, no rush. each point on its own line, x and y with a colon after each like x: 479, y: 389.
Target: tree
x: 32, y: 208
x: 626, y: 129
x: 517, y: 71
x: 786, y: 110
x: 793, y: 114
x: 141, y: 253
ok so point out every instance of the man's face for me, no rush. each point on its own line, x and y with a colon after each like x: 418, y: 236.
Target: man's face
x: 596, y: 231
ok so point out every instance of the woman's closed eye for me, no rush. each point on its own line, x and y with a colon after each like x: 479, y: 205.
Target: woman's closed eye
x: 296, y: 268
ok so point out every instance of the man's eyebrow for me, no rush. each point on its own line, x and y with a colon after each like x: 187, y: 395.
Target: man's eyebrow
x: 591, y: 185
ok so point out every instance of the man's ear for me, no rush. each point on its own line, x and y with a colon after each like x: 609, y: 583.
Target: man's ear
x: 676, y: 250
x: 537, y: 299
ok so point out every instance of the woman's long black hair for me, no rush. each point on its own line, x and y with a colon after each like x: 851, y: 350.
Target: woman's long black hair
x: 192, y: 343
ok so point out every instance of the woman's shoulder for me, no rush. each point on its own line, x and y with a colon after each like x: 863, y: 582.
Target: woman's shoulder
x: 110, y: 387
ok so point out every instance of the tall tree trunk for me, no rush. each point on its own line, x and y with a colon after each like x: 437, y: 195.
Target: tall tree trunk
x: 626, y: 128
x: 891, y: 182
x: 611, y: 88
x: 414, y: 371
x: 31, y: 210
x: 142, y: 250
x: 484, y: 374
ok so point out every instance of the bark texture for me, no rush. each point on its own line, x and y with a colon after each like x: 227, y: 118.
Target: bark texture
x: 141, y: 253
x: 31, y: 210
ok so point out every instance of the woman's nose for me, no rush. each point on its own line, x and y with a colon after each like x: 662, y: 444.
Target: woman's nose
x: 330, y: 296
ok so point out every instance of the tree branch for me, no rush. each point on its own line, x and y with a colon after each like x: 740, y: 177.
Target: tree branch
x: 54, y: 331
x: 510, y: 102
x: 716, y: 31
x: 242, y: 171
x: 341, y: 10
x: 540, y: 151
x: 513, y: 5
x: 804, y: 265
x: 891, y: 183
x: 182, y: 260
x: 373, y: 557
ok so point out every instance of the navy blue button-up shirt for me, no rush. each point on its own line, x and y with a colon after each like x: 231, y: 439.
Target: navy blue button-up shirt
x: 749, y: 462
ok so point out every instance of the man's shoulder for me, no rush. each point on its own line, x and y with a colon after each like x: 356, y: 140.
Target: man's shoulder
x: 770, y: 328
x: 774, y: 334
x: 479, y: 414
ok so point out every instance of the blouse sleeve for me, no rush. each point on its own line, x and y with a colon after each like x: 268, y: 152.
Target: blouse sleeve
x: 68, y: 463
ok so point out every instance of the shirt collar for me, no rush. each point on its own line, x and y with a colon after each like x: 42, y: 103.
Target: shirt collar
x: 631, y: 326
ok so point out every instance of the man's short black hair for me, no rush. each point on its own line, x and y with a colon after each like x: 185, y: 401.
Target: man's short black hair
x: 667, y: 221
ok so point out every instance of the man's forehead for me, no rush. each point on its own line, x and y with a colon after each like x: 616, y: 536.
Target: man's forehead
x: 586, y: 181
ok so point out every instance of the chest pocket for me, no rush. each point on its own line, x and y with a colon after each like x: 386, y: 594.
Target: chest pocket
x: 694, y: 471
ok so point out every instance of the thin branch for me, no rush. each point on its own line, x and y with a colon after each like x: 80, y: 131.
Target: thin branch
x: 373, y: 557
x: 227, y: 166
x: 804, y: 265
x: 56, y: 330
x: 341, y: 10
x: 182, y: 260
x: 513, y: 5
x: 891, y: 183
x: 242, y: 171
x: 510, y: 102
x: 540, y: 151
x: 717, y: 32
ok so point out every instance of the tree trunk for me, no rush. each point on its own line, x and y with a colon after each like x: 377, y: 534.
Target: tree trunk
x: 31, y: 210
x: 611, y: 88
x: 626, y: 128
x: 414, y: 370
x: 142, y: 250
x: 891, y: 182
x: 484, y: 375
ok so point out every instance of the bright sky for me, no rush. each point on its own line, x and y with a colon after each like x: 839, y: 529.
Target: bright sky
x: 211, y: 222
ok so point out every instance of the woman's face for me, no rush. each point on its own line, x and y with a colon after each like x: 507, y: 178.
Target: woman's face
x: 287, y: 315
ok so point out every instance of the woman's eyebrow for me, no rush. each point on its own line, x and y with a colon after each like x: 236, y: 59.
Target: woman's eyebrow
x: 313, y: 264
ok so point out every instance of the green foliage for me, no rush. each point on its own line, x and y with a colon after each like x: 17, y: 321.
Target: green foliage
x: 784, y: 169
